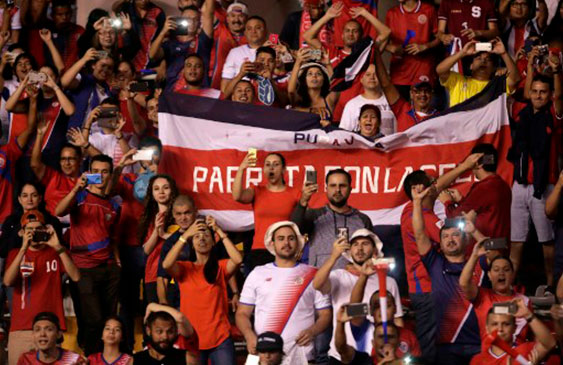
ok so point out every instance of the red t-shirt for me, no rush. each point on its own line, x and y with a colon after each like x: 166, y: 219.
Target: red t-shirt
x: 9, y: 154
x: 92, y: 221
x: 484, y: 301
x: 406, y: 116
x: 408, y: 344
x: 463, y: 14
x: 491, y: 199
x: 57, y: 186
x: 148, y: 27
x: 128, y: 127
x: 209, y: 313
x: 336, y: 54
x: 38, y: 287
x: 488, y: 358
x: 98, y: 359
x: 270, y: 207
x: 340, y: 22
x: 224, y: 42
x: 151, y: 267
x: 66, y: 358
x: 131, y: 211
x: 417, y: 276
x: 417, y: 26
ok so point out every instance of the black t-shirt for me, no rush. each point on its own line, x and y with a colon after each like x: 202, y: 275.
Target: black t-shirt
x: 360, y: 358
x: 175, y: 357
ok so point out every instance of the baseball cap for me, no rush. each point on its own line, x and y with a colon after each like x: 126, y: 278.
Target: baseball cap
x: 365, y: 233
x: 269, y: 237
x: 422, y: 84
x: 32, y: 216
x: 308, y: 65
x: 269, y: 342
x: 238, y: 8
x: 47, y: 316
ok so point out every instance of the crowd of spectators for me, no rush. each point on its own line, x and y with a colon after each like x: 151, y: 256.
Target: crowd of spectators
x: 86, y: 214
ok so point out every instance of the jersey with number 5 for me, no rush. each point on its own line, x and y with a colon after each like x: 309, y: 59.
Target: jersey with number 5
x: 38, y: 287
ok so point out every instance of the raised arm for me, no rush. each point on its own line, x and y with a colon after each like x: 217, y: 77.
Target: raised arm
x: 423, y: 243
x: 468, y: 286
x: 64, y: 205
x: 68, y: 78
x: 390, y: 91
x: 359, y: 289
x: 513, y: 77
x: 184, y: 326
x: 155, y: 51
x: 555, y: 64
x: 37, y: 166
x: 24, y: 137
x: 346, y: 351
x: 383, y: 31
x: 235, y: 258
x: 207, y: 11
x: 310, y: 35
x: 446, y: 179
x: 170, y: 261
x: 240, y: 194
x: 542, y: 334
x: 321, y: 282
x: 14, y: 98
x: 443, y: 68
x: 70, y: 268
x: 45, y: 35
x: 66, y: 104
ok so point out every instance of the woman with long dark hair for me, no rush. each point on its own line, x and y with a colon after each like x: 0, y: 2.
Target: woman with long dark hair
x: 271, y: 202
x: 203, y: 288
x: 113, y: 345
x: 157, y: 216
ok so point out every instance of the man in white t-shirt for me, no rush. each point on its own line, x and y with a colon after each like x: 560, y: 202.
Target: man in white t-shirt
x: 363, y: 246
x: 282, y: 297
x: 372, y: 95
x: 256, y: 34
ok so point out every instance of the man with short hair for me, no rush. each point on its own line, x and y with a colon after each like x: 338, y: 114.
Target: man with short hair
x: 47, y: 335
x: 190, y: 34
x: 504, y: 326
x: 92, y: 224
x: 191, y: 81
x: 256, y: 34
x: 360, y: 250
x: 35, y: 272
x: 407, y: 113
x: 535, y: 152
x: 457, y: 327
x: 282, y: 297
x: 323, y: 224
x: 371, y: 95
x: 490, y: 197
x: 269, y: 346
x: 161, y: 329
x: 483, y: 67
x: 65, y: 32
x: 227, y: 35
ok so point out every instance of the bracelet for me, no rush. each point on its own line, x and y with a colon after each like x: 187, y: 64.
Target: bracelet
x: 236, y: 293
x: 182, y: 239
x: 61, y: 250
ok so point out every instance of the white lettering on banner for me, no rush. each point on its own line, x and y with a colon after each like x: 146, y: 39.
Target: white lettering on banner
x: 366, y: 179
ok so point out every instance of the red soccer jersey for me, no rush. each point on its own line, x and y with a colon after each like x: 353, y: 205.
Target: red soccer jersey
x: 131, y: 211
x: 406, y: 116
x: 408, y: 344
x: 9, y: 154
x: 38, y: 287
x: 417, y: 26
x: 484, y: 301
x: 224, y: 42
x: 57, y: 186
x: 488, y: 358
x: 417, y: 276
x: 491, y: 199
x: 66, y: 358
x: 466, y: 14
x: 148, y: 27
x: 128, y: 127
x: 91, y: 228
x: 336, y: 55
x: 340, y: 22
x: 98, y: 359
x: 151, y: 267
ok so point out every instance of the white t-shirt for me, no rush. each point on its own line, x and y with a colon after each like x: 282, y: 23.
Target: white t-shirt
x: 236, y: 58
x: 108, y: 144
x: 341, y: 283
x: 276, y: 293
x: 10, y: 87
x: 351, y: 114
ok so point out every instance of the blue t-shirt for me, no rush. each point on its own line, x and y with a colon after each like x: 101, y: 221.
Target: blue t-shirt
x: 455, y: 317
x: 175, y: 54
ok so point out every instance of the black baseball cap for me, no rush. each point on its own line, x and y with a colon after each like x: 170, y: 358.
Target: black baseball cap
x: 422, y: 85
x: 47, y: 316
x: 269, y: 342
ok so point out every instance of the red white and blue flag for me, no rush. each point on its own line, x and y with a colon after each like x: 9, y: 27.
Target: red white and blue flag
x: 206, y: 139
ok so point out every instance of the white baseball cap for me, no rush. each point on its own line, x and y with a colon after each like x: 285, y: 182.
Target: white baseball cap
x: 365, y: 233
x: 238, y: 7
x: 269, y: 237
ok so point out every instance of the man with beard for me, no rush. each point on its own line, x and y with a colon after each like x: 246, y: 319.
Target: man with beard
x: 483, y: 67
x: 457, y: 327
x: 184, y: 38
x: 162, y: 332
x: 282, y: 297
x: 65, y: 33
x: 363, y: 246
x: 323, y: 224
x: 407, y: 113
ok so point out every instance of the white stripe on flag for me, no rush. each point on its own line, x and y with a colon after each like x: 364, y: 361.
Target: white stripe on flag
x: 353, y: 71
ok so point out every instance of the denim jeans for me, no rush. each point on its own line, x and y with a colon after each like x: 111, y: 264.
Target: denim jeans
x: 224, y: 354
